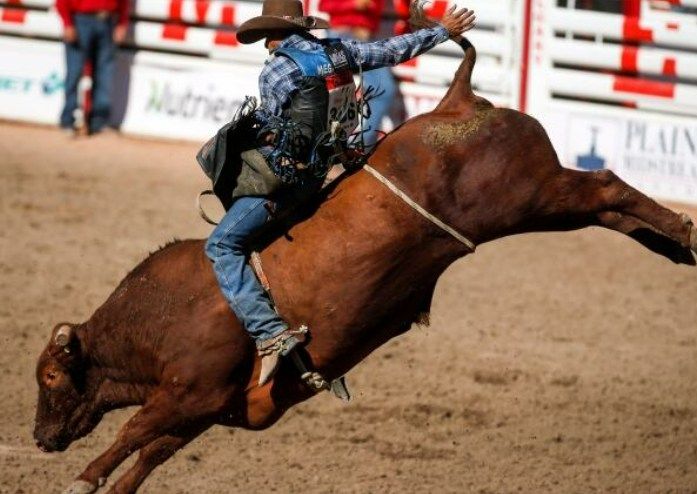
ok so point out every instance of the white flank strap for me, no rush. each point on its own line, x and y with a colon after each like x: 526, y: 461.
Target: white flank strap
x: 393, y: 188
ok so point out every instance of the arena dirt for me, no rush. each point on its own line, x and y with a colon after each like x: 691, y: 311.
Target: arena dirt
x: 554, y: 363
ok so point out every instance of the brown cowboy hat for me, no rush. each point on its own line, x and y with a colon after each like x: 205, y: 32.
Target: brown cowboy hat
x: 278, y: 15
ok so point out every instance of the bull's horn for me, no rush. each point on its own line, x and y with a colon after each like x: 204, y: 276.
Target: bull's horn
x: 63, y: 335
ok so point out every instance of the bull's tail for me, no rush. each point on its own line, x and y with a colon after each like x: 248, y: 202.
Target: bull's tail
x: 461, y: 87
x: 460, y: 90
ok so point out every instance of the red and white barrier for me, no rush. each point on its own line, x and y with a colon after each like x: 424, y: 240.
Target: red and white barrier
x: 625, y: 58
x: 30, y: 23
x: 621, y: 28
x: 624, y: 97
x: 439, y: 71
x: 41, y: 4
x: 211, y: 13
x: 621, y: 89
x: 681, y: 3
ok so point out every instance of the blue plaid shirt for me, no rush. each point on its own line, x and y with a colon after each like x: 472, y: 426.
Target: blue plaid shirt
x: 281, y: 77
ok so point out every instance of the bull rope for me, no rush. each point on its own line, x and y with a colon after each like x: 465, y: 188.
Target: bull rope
x: 416, y: 207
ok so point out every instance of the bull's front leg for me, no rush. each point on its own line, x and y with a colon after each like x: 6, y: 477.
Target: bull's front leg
x: 158, y: 415
x: 154, y: 454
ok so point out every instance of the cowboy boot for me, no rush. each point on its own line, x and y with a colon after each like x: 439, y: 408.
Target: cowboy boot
x: 273, y: 349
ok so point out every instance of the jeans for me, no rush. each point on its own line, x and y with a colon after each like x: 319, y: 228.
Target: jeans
x: 383, y: 81
x: 228, y: 248
x: 94, y: 42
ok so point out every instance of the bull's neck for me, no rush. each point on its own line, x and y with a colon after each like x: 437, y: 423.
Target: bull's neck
x: 121, y: 375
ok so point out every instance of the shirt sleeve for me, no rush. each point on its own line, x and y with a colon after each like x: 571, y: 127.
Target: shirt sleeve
x: 396, y: 50
x: 123, y: 12
x: 65, y: 12
x: 278, y: 81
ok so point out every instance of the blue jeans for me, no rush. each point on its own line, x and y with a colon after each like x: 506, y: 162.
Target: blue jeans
x: 382, y: 80
x: 228, y: 248
x: 94, y: 42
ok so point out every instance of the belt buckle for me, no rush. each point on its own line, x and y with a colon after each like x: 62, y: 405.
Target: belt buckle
x: 102, y: 14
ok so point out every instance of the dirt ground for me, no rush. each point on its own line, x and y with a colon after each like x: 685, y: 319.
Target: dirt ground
x: 554, y: 363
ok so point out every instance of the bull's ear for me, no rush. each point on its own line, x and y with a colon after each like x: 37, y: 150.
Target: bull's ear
x: 64, y: 336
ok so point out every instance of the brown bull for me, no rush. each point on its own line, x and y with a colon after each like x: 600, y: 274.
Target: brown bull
x: 359, y: 273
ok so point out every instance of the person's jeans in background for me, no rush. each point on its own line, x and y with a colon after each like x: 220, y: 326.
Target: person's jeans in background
x: 94, y: 42
x: 384, y: 82
x: 228, y: 247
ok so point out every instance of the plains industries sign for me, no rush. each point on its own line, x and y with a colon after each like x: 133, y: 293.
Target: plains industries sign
x: 657, y: 155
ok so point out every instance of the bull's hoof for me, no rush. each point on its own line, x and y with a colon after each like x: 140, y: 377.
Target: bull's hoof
x: 80, y: 487
x: 686, y: 220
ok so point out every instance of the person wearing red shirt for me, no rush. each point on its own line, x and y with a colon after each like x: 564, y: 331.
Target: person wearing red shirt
x: 360, y: 20
x: 91, y: 29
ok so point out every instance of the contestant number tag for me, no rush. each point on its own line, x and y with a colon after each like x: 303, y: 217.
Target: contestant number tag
x: 343, y: 106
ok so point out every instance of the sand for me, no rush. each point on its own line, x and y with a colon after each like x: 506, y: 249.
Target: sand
x: 554, y: 362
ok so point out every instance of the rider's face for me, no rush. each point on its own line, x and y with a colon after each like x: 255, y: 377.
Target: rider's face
x: 274, y: 39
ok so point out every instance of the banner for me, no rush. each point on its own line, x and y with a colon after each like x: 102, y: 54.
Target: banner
x: 655, y: 154
x: 185, y: 100
x: 31, y: 80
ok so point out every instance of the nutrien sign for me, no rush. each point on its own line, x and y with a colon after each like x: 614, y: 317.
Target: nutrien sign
x: 191, y: 104
x: 171, y: 99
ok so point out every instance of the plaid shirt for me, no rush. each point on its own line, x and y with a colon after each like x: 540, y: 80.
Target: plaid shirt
x: 281, y: 77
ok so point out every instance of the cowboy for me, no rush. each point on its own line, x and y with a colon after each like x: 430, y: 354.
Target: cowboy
x: 307, y: 94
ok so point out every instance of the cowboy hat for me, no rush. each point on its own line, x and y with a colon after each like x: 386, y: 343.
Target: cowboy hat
x: 278, y: 15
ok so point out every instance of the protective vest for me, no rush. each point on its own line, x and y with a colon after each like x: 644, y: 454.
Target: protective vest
x: 326, y: 99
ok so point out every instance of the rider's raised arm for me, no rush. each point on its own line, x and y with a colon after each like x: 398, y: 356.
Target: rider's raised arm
x: 396, y: 50
x: 393, y: 51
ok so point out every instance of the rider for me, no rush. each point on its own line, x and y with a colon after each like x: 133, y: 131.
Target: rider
x: 306, y: 90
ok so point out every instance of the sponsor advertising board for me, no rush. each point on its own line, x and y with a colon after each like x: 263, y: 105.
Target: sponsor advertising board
x: 655, y: 154
x: 181, y: 101
x: 31, y: 80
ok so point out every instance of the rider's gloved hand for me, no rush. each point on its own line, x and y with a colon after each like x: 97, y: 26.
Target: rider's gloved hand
x: 458, y: 22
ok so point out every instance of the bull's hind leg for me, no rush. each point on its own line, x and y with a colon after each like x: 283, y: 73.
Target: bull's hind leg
x: 603, y: 199
x: 153, y: 455
x: 646, y: 235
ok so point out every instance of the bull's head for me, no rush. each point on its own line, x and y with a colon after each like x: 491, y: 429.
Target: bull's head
x: 65, y: 410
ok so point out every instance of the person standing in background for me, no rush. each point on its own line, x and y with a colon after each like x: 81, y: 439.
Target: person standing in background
x: 91, y: 30
x: 360, y: 20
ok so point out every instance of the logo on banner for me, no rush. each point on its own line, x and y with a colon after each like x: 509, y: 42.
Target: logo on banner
x: 591, y: 161
x: 24, y: 85
x: 52, y: 84
x: 593, y: 142
x: 189, y: 103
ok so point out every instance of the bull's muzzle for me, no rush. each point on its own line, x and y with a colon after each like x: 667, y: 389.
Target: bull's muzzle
x: 49, y: 444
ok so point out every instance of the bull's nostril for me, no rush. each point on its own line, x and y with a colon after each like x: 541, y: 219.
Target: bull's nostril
x: 42, y: 446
